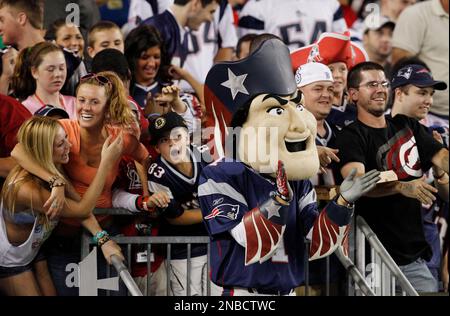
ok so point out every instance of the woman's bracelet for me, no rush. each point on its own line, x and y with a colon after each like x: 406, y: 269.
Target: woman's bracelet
x: 100, y: 235
x: 56, y: 181
x: 103, y: 241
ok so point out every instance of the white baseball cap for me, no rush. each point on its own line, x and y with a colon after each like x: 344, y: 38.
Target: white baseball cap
x: 312, y: 72
x: 376, y: 22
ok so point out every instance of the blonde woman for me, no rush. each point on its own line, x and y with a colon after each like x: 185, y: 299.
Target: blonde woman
x: 102, y: 110
x: 24, y: 225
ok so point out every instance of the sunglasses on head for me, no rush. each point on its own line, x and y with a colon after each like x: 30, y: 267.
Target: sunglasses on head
x: 100, y: 79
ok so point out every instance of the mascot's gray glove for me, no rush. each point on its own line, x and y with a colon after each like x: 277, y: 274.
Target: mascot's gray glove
x: 353, y: 188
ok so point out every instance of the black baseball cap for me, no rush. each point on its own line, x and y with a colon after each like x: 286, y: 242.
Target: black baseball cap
x: 418, y: 76
x: 162, y: 125
x: 50, y: 110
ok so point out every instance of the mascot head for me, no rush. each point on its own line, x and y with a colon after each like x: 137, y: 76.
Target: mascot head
x: 257, y: 99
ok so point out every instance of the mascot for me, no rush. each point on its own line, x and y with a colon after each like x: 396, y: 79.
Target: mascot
x: 257, y: 202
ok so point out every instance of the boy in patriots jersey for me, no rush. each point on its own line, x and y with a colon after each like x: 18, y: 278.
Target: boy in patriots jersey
x: 297, y: 22
x: 176, y: 172
x: 259, y: 208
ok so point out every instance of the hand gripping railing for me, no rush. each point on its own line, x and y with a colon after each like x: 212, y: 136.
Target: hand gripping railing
x: 389, y: 270
x: 148, y: 241
x: 125, y: 276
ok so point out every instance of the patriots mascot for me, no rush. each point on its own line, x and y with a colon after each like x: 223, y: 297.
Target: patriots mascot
x: 257, y: 202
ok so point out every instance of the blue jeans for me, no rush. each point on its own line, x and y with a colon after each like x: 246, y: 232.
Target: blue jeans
x: 420, y: 276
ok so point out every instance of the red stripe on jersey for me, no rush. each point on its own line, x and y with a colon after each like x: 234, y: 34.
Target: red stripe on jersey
x: 252, y: 244
x: 274, y: 229
x: 266, y: 241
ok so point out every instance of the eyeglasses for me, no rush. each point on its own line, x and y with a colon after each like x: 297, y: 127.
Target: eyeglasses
x: 100, y: 79
x: 376, y: 84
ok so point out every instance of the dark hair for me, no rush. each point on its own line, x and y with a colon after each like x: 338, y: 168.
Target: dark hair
x: 204, y: 2
x: 138, y: 41
x: 98, y: 27
x: 246, y: 38
x: 111, y: 59
x: 259, y: 39
x: 354, y: 75
x: 34, y: 9
x: 22, y: 81
x: 407, y: 61
x: 50, y: 34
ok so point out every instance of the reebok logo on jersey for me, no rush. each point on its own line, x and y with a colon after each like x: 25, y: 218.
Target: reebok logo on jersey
x: 224, y: 210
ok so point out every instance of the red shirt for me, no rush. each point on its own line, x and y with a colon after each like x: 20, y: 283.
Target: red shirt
x: 12, y: 115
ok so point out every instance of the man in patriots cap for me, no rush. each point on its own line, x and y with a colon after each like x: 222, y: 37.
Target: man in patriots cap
x: 413, y: 87
x: 259, y: 207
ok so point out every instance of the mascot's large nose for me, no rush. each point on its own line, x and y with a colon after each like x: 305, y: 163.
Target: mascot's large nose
x: 296, y: 122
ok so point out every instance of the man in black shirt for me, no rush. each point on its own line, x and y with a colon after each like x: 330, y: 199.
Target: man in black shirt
x: 400, y: 144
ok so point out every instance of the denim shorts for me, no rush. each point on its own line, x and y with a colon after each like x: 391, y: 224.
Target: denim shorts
x: 6, y: 272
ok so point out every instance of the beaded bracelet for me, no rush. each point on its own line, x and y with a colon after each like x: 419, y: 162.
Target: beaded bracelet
x: 56, y: 181
x: 103, y: 241
x: 99, y: 235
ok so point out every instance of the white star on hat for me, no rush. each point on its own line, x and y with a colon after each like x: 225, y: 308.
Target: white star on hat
x: 235, y: 83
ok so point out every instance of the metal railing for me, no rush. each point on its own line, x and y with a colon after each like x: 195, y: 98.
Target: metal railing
x: 129, y: 241
x: 386, y: 277
x: 125, y: 276
x: 357, y: 282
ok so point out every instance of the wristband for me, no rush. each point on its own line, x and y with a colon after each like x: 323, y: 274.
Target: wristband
x: 348, y: 204
x: 438, y: 177
x: 103, y: 241
x: 99, y: 235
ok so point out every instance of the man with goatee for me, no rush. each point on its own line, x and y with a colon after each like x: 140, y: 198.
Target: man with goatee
x: 401, y: 144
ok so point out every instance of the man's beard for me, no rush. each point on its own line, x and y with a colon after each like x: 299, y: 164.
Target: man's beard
x: 376, y: 113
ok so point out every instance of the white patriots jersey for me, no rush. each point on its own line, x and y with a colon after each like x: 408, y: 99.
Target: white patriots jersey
x: 297, y: 22
x: 204, y: 43
x: 141, y: 10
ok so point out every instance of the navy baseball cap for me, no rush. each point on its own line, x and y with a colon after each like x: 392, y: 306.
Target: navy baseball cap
x: 162, y: 125
x: 418, y: 76
x: 50, y: 110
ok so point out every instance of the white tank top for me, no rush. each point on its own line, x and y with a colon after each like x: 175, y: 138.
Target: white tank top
x: 21, y: 255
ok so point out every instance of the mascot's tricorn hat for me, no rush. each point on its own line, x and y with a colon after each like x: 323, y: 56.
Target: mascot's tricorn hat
x: 230, y: 86
x: 330, y: 48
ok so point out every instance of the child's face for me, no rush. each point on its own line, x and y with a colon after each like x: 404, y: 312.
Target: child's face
x: 51, y: 74
x: 173, y: 147
x: 111, y: 38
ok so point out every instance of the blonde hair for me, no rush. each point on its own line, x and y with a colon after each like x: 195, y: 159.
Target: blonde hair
x: 118, y: 111
x: 36, y: 135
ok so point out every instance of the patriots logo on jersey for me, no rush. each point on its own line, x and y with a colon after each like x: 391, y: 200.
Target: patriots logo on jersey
x: 229, y: 211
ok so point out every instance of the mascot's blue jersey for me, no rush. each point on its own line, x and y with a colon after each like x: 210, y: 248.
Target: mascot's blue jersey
x: 229, y: 189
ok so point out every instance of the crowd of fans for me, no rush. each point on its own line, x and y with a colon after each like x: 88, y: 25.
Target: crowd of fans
x: 101, y: 115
